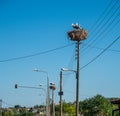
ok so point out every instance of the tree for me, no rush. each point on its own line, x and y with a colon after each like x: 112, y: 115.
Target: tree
x: 67, y: 108
x: 8, y: 113
x: 97, y: 105
x: 17, y: 106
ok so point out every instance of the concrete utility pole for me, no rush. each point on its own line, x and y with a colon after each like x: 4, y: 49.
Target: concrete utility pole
x: 60, y: 93
x: 0, y: 107
x: 0, y: 103
x: 53, y: 87
x: 77, y: 35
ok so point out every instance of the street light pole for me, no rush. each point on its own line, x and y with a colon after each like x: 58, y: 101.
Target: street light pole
x: 61, y: 92
x: 48, y: 91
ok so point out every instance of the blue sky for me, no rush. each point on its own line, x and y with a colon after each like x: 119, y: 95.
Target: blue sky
x: 30, y: 27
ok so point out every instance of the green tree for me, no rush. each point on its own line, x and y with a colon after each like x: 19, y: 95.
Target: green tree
x: 17, y: 106
x: 57, y: 110
x: 97, y: 105
x: 69, y: 108
x: 8, y: 113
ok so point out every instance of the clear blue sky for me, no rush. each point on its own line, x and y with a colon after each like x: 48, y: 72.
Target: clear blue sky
x: 28, y: 27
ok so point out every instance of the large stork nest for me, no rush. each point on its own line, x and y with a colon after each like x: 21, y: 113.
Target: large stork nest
x: 78, y: 35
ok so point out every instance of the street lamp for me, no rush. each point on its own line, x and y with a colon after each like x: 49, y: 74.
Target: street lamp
x: 61, y: 92
x: 66, y: 69
x: 48, y: 91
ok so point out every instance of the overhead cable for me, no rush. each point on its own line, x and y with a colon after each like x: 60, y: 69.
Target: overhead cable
x: 103, y: 25
x: 100, y: 53
x: 35, y: 54
x: 100, y: 48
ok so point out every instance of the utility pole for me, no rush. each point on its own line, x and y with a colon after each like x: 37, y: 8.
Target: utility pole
x: 0, y: 107
x: 52, y: 87
x: 77, y: 35
x: 77, y: 78
x: 0, y: 103
x: 60, y: 93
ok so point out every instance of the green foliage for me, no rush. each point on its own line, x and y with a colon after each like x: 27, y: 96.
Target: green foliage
x: 8, y: 113
x: 97, y: 105
x: 17, y: 106
x: 57, y: 110
x: 67, y: 108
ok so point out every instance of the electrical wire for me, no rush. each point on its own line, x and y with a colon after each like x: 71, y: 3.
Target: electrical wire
x: 104, y: 14
x: 102, y: 24
x: 102, y: 35
x: 100, y: 53
x: 100, y: 48
x: 107, y: 25
x: 36, y: 54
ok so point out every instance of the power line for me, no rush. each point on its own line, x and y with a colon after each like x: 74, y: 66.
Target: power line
x: 100, y: 53
x: 36, y: 54
x: 98, y: 30
x: 103, y: 15
x: 100, y: 48
x: 106, y: 30
x: 99, y: 23
x: 107, y: 24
